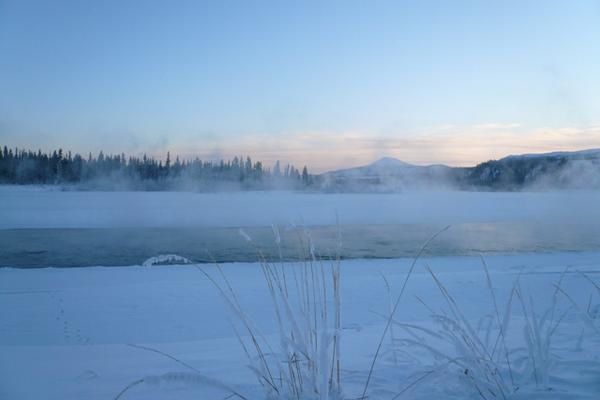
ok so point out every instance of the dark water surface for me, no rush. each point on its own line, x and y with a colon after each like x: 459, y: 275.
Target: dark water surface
x: 27, y: 248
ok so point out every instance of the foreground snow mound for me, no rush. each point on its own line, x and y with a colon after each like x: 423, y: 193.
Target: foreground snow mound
x: 164, y: 259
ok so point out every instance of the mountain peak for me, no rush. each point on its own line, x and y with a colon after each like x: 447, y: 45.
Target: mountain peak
x: 389, y: 162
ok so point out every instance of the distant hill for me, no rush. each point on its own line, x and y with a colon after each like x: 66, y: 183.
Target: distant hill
x: 561, y: 170
x: 556, y: 170
x: 386, y: 175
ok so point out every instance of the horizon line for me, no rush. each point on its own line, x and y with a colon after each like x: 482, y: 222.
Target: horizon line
x: 183, y: 157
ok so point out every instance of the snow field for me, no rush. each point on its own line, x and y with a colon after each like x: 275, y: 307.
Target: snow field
x: 70, y: 330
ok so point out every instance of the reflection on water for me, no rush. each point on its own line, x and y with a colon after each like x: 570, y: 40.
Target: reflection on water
x: 131, y: 246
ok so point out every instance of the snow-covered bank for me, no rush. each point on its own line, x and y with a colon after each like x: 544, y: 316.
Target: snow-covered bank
x: 30, y: 207
x: 64, y: 332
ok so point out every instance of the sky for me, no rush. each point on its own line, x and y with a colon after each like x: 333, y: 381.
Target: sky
x: 327, y: 84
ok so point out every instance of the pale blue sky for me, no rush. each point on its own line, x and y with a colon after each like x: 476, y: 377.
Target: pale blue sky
x: 444, y: 81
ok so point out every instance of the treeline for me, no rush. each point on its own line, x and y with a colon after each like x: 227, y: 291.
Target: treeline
x: 146, y: 173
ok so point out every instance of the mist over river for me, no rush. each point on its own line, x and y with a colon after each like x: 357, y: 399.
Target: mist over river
x: 43, y: 227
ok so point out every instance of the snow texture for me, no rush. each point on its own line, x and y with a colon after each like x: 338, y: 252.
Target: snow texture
x: 67, y: 333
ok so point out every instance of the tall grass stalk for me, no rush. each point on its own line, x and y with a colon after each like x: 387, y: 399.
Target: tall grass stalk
x: 502, y: 322
x: 538, y: 333
x: 395, y: 308
x: 472, y: 354
x: 305, y: 364
x: 479, y: 360
x: 488, y: 365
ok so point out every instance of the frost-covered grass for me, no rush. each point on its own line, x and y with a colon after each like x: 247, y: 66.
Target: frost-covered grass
x: 479, y: 356
x: 475, y: 357
x: 504, y: 355
x: 305, y: 303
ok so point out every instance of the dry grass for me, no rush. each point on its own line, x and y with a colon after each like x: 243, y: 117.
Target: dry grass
x: 480, y: 356
x: 305, y: 301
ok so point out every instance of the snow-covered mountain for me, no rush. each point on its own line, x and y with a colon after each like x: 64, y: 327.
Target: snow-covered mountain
x: 577, y: 169
x: 386, y: 174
